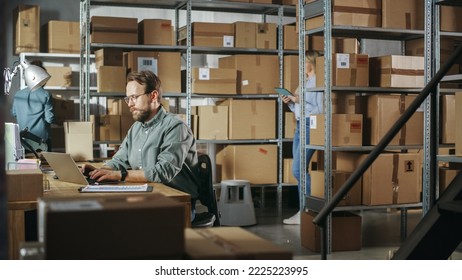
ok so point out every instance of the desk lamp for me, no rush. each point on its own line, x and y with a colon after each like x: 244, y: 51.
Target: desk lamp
x: 34, y: 76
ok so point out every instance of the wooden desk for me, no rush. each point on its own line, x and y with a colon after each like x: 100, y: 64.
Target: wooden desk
x: 16, y: 229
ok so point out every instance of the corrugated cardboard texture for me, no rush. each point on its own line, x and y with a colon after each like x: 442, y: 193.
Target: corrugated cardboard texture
x: 27, y: 24
x: 115, y: 30
x: 231, y: 243
x: 78, y: 137
x: 111, y: 79
x: 347, y: 129
x: 113, y: 227
x: 60, y: 76
x: 63, y: 36
x: 346, y: 232
x: 24, y: 185
x: 215, y: 80
x: 155, y: 32
x: 353, y: 197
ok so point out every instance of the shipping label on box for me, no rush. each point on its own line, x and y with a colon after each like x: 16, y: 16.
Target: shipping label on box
x: 212, y: 81
x: 27, y: 24
x: 78, y: 138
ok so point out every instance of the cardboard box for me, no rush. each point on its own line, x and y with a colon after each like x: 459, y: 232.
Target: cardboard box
x: 406, y: 15
x: 446, y: 175
x: 257, y: 74
x: 346, y: 232
x: 347, y: 70
x: 212, y: 81
x: 251, y: 119
x: 245, y: 34
x: 397, y: 71
x: 266, y: 36
x: 208, y: 34
x: 241, y: 161
x: 78, y: 138
x: 112, y: 79
x: 117, y: 106
x: 366, y: 13
x: 77, y: 228
x: 393, y: 178
x: 447, y: 119
x: 106, y: 127
x: 24, y: 184
x: 109, y: 57
x: 60, y: 76
x: 449, y: 17
x: 291, y: 72
x: 458, y: 123
x: 213, y: 122
x: 348, y: 103
x: 353, y: 197
x: 290, y: 124
x: 64, y: 110
x: 383, y: 111
x: 215, y: 243
x: 114, y: 30
x: 63, y: 36
x: 287, y: 175
x: 347, y: 129
x: 155, y: 32
x: 27, y: 29
x: 166, y: 65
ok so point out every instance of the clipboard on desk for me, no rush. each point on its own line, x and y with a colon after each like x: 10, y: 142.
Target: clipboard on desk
x: 116, y: 188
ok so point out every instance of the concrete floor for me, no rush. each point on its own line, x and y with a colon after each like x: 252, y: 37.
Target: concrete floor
x: 380, y: 231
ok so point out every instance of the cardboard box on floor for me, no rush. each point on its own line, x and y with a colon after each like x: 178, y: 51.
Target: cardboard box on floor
x: 353, y: 197
x: 78, y: 138
x: 383, y: 111
x: 241, y: 161
x: 346, y: 232
x: 220, y: 243
x: 393, y: 178
x: 347, y: 129
x: 140, y: 225
x: 27, y: 28
x: 24, y: 185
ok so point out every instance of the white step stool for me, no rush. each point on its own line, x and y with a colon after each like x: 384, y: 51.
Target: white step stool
x: 235, y: 210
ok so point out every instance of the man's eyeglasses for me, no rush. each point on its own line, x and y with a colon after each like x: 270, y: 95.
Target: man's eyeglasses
x: 133, y: 98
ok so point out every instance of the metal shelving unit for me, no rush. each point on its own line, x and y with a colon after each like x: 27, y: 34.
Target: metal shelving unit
x: 323, y: 7
x: 186, y: 7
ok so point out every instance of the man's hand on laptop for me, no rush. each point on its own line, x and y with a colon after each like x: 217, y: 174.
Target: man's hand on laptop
x: 101, y: 174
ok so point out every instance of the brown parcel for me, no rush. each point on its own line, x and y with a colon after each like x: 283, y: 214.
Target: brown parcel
x: 113, y: 227
x: 24, y: 185
x: 346, y: 232
x: 231, y: 243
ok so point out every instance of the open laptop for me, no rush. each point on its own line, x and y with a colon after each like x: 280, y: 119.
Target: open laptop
x: 67, y: 170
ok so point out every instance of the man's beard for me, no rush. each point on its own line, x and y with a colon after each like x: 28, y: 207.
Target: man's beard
x: 141, y: 115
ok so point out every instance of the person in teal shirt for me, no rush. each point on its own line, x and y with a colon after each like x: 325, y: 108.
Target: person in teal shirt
x: 159, y: 147
x: 34, y: 110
